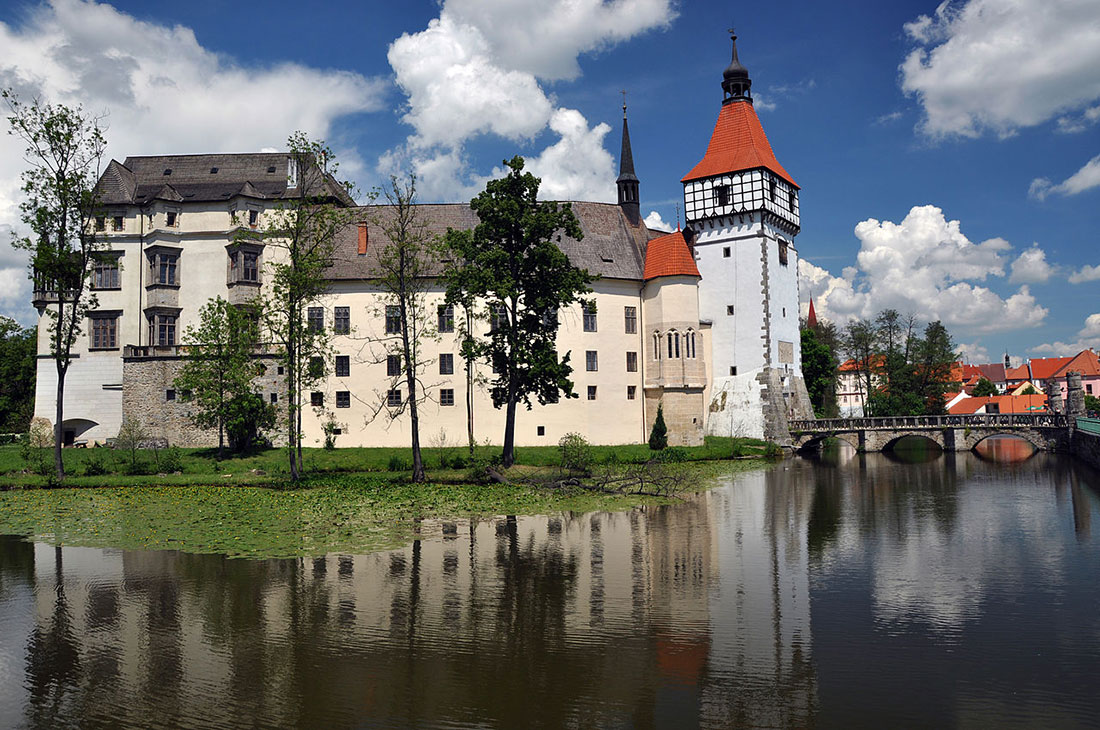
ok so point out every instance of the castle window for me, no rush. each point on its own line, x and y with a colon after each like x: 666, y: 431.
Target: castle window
x: 343, y: 366
x: 498, y: 317
x: 101, y: 222
x: 591, y: 392
x: 771, y: 189
x: 721, y: 195
x: 656, y: 345
x: 783, y: 252
x: 540, y: 430
x: 393, y: 319
x: 104, y: 331
x: 317, y: 399
x: 393, y: 397
x: 689, y: 344
x: 105, y: 273
x: 343, y: 399
x: 590, y: 361
x: 725, y: 252
x: 446, y: 396
x: 172, y: 219
x: 253, y: 218
x: 631, y: 392
x: 244, y: 266
x: 589, y: 316
x: 341, y: 321
x: 674, y: 344
x: 165, y: 268
x: 169, y: 394
x: 162, y: 329
x: 632, y: 362
x: 315, y: 319
x: 393, y: 365
x: 274, y: 398
x: 630, y: 315
x: 729, y: 310
x: 116, y: 223
x: 733, y: 370
x: 446, y: 318
x: 316, y: 368
x: 447, y: 364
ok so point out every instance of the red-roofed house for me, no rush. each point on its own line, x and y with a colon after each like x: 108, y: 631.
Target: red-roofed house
x: 999, y: 404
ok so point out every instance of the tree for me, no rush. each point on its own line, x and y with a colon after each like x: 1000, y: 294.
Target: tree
x: 64, y: 149
x: 511, y: 261
x: 859, y: 344
x: 984, y: 387
x: 1092, y: 405
x: 405, y: 264
x: 819, y: 368
x: 935, y: 358
x: 302, y: 230
x: 658, y: 436
x: 17, y: 366
x: 219, y: 368
x: 1029, y: 389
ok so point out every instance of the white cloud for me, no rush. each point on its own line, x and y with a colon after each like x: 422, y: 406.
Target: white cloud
x: 475, y: 71
x: 1086, y: 273
x: 1086, y: 178
x: 973, y: 352
x: 1000, y: 65
x: 162, y: 91
x: 927, y: 266
x: 1031, y: 267
x: 1079, y: 123
x: 654, y: 222
x: 1087, y: 337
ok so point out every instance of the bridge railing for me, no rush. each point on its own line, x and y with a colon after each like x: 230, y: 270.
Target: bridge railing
x: 902, y: 423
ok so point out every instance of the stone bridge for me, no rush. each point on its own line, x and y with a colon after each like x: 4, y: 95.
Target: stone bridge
x: 1045, y: 431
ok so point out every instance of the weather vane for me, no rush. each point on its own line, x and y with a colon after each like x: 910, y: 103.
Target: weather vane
x: 623, y: 92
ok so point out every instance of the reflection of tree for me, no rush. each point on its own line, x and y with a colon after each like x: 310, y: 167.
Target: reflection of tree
x: 53, y: 659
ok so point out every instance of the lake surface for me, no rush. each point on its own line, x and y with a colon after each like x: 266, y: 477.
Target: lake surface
x: 919, y: 589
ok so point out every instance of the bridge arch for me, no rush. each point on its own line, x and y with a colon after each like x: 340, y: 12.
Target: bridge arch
x: 810, y: 442
x: 1035, y: 439
x: 935, y: 437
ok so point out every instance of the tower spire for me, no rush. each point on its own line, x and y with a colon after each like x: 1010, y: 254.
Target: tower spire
x: 736, y: 84
x: 627, y: 182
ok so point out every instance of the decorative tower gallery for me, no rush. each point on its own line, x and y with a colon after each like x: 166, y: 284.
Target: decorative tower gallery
x: 741, y: 207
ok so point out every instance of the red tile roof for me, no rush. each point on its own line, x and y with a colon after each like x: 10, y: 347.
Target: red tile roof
x: 669, y: 256
x: 1084, y: 362
x: 1043, y: 368
x: 1005, y: 404
x: 738, y: 143
x: 1019, y: 373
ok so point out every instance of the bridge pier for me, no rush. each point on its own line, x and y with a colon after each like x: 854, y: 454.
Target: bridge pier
x: 954, y: 439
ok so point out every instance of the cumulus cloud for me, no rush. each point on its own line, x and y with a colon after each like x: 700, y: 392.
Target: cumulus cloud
x: 1000, y: 65
x: 1071, y: 124
x: 476, y: 70
x: 927, y: 266
x: 162, y: 92
x: 654, y: 222
x: 1086, y: 178
x: 1087, y: 337
x: 1031, y: 267
x: 1086, y: 273
x: 973, y: 352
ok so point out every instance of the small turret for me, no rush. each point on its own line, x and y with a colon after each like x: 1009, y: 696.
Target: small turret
x: 627, y: 182
x: 736, y: 83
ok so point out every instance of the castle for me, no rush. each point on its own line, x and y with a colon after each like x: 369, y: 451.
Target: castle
x: 702, y: 322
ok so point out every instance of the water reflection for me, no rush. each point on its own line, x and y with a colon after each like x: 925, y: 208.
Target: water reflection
x: 824, y: 592
x: 1004, y: 449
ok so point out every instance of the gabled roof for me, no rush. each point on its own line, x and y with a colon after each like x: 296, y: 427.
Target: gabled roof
x: 669, y: 255
x: 612, y: 247
x: 1020, y: 373
x: 738, y: 143
x: 1084, y: 362
x: 1004, y: 403
x: 204, y: 178
x: 1043, y: 368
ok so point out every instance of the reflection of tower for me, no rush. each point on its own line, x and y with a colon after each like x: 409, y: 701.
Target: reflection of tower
x: 762, y: 673
x: 743, y: 207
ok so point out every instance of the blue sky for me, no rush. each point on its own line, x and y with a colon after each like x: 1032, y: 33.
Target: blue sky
x: 943, y: 150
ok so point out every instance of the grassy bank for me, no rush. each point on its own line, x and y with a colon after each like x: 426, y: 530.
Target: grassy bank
x: 349, y: 513
x: 199, y: 467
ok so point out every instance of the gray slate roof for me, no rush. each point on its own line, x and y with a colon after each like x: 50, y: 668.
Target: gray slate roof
x: 200, y: 178
x: 612, y: 248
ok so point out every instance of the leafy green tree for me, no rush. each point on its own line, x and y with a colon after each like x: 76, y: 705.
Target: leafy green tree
x: 1092, y: 403
x: 300, y: 233
x: 219, y: 368
x: 658, y: 435
x: 405, y: 264
x: 984, y: 388
x: 64, y: 149
x: 512, y: 262
x: 859, y: 344
x: 934, y: 357
x: 819, y: 368
x: 17, y: 366
x: 247, y: 416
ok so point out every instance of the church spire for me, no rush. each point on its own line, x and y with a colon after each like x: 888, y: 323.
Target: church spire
x: 627, y: 182
x: 736, y: 83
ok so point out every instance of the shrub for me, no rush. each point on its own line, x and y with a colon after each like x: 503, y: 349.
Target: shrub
x: 398, y: 463
x: 576, y: 454
x: 773, y: 451
x: 458, y: 462
x: 35, y: 448
x: 673, y: 455
x: 171, y: 460
x: 331, y: 427
x: 658, y: 437
x: 96, y: 464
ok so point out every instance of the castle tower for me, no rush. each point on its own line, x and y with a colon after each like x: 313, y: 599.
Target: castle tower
x: 742, y: 207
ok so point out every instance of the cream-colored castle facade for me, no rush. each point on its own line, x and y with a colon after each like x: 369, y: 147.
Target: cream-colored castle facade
x: 702, y: 322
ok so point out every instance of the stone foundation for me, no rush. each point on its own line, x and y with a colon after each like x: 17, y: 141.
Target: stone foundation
x: 683, y: 413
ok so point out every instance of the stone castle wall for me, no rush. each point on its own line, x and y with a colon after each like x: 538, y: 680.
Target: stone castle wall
x: 682, y: 411
x: 149, y: 397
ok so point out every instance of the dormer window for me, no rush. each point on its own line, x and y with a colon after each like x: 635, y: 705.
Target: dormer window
x: 171, y: 219
x: 253, y: 218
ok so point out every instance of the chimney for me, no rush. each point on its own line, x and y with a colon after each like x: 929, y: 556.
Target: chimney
x: 363, y: 239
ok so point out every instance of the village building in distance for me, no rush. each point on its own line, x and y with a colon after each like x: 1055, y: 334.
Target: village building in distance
x: 702, y: 322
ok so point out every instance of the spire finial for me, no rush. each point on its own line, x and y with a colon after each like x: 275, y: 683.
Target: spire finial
x: 623, y: 92
x: 735, y: 79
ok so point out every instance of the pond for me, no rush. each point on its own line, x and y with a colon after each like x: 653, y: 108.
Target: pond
x: 835, y: 591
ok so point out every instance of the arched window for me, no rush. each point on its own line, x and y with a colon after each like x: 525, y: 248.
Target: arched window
x: 689, y: 344
x: 657, y: 345
x: 674, y: 344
